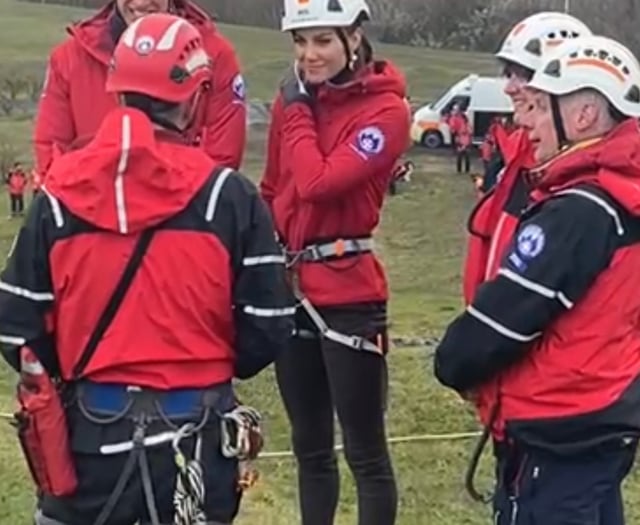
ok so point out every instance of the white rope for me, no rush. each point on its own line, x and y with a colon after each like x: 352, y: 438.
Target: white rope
x: 188, y: 498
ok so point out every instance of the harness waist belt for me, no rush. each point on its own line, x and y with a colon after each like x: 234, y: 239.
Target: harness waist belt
x: 337, y: 248
x: 110, y: 399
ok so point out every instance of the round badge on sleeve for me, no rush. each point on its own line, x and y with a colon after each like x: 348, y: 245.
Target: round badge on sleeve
x: 371, y: 140
x: 531, y: 241
x: 239, y: 87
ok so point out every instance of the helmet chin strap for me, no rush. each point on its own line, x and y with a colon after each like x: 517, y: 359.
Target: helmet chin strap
x: 558, y: 124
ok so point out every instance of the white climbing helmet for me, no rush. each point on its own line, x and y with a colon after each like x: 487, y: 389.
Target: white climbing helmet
x: 301, y: 14
x: 597, y: 63
x: 532, y: 38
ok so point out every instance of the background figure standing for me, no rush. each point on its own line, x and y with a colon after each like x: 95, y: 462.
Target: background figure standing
x: 16, y: 181
x: 463, y: 145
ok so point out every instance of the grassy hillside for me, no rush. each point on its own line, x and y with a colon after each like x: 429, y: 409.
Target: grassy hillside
x: 421, y: 238
x: 29, y: 30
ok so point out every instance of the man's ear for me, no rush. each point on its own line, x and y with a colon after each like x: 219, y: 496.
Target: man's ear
x: 588, y: 114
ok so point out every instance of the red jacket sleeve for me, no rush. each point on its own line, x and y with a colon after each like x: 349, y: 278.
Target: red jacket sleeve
x: 226, y: 113
x: 269, y: 181
x: 54, y: 126
x: 370, y: 149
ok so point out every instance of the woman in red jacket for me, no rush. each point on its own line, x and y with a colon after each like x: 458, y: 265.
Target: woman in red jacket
x: 339, y: 125
x: 74, y: 100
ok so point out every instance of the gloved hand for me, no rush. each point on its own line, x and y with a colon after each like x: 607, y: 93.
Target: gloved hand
x: 293, y: 89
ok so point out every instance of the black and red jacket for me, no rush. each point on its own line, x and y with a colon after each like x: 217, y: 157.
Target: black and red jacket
x: 554, y: 336
x: 210, y: 300
x: 328, y: 170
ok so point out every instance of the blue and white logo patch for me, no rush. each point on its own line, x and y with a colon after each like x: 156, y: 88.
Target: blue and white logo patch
x: 239, y: 87
x: 531, y: 241
x: 370, y: 141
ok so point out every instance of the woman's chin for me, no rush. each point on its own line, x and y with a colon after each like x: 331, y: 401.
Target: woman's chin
x: 316, y: 77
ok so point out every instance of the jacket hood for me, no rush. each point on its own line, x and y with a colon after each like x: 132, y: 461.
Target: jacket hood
x: 95, y: 34
x: 129, y: 177
x: 611, y: 162
x: 375, y: 78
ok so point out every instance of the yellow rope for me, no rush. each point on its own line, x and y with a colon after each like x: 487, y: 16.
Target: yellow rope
x: 416, y: 438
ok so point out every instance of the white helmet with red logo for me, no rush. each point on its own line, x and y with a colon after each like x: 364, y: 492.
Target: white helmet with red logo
x: 597, y: 63
x: 301, y: 14
x: 531, y: 39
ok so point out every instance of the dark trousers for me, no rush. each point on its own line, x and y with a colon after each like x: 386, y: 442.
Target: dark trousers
x: 535, y: 488
x: 462, y: 156
x: 315, y: 378
x: 98, y: 475
x: 17, y: 204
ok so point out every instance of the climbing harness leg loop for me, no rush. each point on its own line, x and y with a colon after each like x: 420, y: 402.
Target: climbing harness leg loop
x: 125, y: 476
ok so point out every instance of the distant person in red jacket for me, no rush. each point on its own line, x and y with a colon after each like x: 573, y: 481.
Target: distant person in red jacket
x: 74, y: 101
x: 16, y: 183
x: 463, y: 145
x: 455, y: 120
x: 339, y: 126
x: 149, y: 364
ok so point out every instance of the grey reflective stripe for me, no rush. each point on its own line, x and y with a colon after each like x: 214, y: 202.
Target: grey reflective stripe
x: 338, y: 247
x: 301, y: 333
x: 41, y: 519
x: 12, y: 340
x: 610, y: 210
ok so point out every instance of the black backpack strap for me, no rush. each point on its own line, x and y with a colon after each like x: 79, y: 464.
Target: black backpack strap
x: 114, y: 302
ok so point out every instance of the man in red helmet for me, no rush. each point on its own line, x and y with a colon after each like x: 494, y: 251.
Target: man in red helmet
x: 144, y: 279
x: 74, y: 101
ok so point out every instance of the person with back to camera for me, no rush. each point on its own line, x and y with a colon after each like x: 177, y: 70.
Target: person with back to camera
x: 144, y: 280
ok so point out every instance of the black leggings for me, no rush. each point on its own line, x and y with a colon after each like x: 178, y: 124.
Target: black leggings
x: 17, y: 204
x: 315, y: 376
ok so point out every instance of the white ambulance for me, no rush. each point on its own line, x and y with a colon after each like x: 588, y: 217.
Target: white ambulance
x: 481, y: 98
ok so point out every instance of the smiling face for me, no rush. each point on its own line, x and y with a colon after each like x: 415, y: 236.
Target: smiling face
x: 517, y: 78
x: 131, y: 10
x: 321, y: 54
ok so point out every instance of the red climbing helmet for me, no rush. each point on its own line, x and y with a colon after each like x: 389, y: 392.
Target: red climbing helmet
x: 162, y: 56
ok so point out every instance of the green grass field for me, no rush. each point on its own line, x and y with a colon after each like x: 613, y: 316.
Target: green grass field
x: 421, y: 237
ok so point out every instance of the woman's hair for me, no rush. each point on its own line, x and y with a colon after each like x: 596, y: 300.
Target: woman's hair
x: 365, y: 50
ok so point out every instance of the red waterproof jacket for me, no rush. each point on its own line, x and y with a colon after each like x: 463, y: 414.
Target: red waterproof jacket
x: 494, y: 218
x: 456, y: 122
x: 210, y: 299
x: 74, y: 100
x: 17, y: 182
x: 328, y: 170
